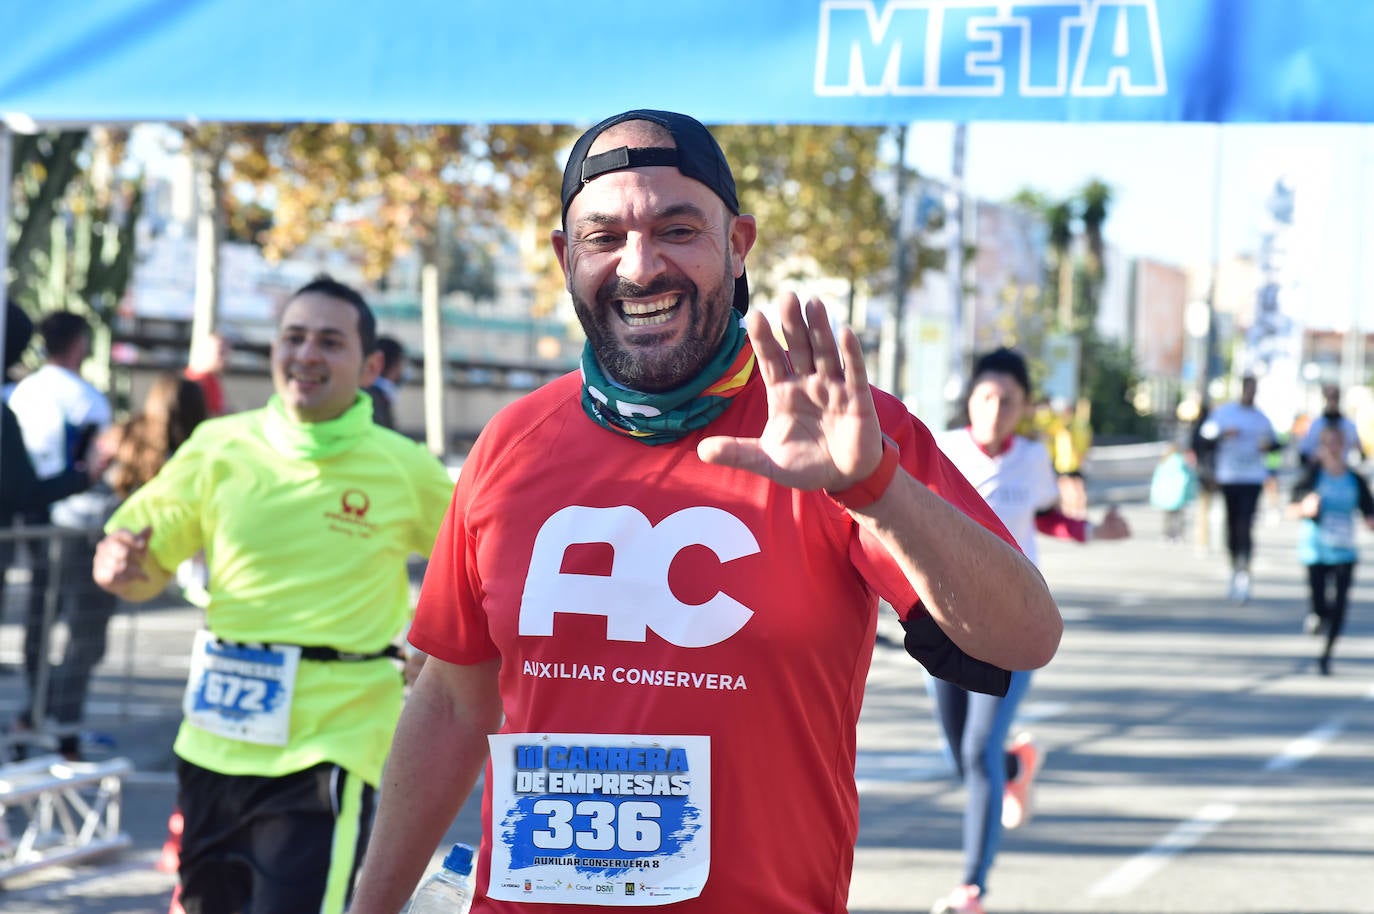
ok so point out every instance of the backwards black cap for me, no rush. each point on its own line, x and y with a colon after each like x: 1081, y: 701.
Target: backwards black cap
x: 698, y: 156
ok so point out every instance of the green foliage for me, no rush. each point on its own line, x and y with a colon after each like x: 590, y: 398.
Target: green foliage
x: 467, y: 267
x: 813, y: 192
x: 75, y: 246
x: 44, y: 169
x: 1108, y: 375
x: 1109, y: 380
x: 448, y: 192
x: 454, y: 191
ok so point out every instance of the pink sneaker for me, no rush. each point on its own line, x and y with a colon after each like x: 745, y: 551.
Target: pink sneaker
x: 963, y: 900
x: 1016, y: 799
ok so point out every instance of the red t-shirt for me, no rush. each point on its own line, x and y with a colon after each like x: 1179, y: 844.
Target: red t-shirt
x: 746, y: 611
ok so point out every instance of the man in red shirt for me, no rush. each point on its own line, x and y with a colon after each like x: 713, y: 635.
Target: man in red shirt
x: 650, y: 612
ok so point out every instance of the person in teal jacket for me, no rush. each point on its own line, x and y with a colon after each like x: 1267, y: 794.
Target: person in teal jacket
x: 1173, y: 487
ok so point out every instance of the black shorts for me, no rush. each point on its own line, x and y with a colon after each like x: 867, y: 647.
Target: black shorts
x: 272, y: 845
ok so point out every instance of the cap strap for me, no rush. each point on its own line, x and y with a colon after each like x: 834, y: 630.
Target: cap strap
x: 625, y: 157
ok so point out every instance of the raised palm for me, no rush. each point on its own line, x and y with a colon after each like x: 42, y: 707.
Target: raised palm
x: 822, y: 429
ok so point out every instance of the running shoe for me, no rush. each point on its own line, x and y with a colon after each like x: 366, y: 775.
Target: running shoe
x: 963, y: 900
x: 1016, y: 798
x: 1240, y: 587
x: 1313, y: 624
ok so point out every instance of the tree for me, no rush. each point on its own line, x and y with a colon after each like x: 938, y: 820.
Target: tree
x: 453, y: 192
x: 1109, y: 381
x: 1094, y: 199
x: 44, y: 167
x: 527, y: 162
x: 375, y: 188
x: 448, y: 192
x: 819, y: 211
x: 208, y: 145
x: 1107, y: 374
x: 1059, y: 218
x: 76, y: 214
x: 465, y: 267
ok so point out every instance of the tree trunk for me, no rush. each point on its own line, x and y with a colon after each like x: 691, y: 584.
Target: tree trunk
x: 1066, y: 292
x: 432, y: 341
x: 205, y: 315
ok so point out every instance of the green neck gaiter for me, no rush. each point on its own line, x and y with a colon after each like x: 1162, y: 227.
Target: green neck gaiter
x: 664, y: 417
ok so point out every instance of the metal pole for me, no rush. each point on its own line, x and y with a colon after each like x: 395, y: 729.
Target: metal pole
x: 959, y: 328
x: 205, y: 305
x: 51, y: 595
x: 1352, y: 358
x: 6, y: 163
x: 1204, y: 375
x: 432, y: 341
x: 1210, y: 344
x: 901, y: 271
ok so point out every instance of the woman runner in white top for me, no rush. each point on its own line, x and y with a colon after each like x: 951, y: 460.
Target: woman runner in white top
x: 1016, y: 477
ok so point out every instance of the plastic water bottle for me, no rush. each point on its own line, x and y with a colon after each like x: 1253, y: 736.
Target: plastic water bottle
x: 449, y: 890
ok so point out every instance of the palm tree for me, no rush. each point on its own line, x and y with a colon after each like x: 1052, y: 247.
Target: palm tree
x: 1094, y: 198
x: 1058, y: 216
x: 1060, y: 219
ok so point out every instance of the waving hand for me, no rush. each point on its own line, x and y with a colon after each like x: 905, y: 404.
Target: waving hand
x: 822, y: 430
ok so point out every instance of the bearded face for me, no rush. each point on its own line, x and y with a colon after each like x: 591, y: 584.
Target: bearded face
x: 656, y: 337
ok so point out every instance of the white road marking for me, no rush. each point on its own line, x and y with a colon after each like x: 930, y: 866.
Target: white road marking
x: 1305, y: 746
x: 1134, y: 872
x: 1130, y: 875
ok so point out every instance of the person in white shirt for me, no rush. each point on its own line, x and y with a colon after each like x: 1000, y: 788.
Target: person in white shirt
x: 1016, y: 477
x: 1243, y: 436
x: 60, y: 415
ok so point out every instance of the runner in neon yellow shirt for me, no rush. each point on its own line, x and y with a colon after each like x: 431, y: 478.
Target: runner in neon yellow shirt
x: 307, y: 512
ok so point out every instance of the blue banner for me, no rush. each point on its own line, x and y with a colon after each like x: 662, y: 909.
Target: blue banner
x: 745, y: 61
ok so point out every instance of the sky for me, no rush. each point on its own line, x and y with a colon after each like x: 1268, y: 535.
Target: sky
x: 1163, y: 178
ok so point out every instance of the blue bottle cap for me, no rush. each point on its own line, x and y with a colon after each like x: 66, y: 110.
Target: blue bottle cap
x: 459, y: 859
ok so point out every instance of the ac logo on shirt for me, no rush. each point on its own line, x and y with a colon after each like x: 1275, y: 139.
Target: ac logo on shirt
x: 635, y: 597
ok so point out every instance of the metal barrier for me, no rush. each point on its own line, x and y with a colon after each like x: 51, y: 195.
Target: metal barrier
x: 41, y: 735
x: 69, y: 810
x: 53, y: 810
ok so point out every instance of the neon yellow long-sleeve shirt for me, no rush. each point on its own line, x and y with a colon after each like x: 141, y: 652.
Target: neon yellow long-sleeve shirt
x: 306, y: 531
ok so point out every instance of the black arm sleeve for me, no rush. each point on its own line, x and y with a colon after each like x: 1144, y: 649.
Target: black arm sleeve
x: 1306, y: 482
x: 20, y: 487
x: 1366, y: 499
x: 945, y: 660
